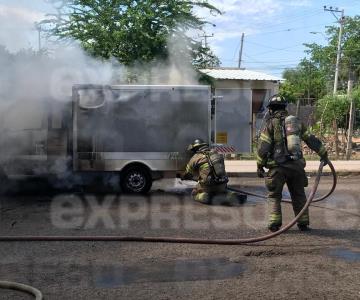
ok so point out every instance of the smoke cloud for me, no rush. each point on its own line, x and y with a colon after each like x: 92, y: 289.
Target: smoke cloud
x: 29, y: 80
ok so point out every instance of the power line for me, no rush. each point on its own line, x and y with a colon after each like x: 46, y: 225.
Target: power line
x: 279, y: 49
x: 295, y: 19
x: 267, y: 62
x: 286, y: 66
x: 279, y: 24
x: 284, y: 50
x: 289, y: 29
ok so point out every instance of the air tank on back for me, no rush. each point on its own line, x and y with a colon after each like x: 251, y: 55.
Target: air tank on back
x: 292, y: 128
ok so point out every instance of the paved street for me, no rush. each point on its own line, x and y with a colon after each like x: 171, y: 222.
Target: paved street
x: 321, y: 264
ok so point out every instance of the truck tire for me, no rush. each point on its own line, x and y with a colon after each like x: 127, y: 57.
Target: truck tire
x: 135, y: 180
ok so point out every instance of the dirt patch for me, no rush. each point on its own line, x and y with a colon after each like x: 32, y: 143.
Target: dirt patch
x: 280, y: 252
x: 265, y: 253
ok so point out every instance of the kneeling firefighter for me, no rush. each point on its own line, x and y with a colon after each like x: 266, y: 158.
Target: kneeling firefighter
x: 279, y: 150
x: 209, y: 166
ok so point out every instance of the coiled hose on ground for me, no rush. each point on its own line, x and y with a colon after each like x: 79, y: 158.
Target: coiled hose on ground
x: 22, y: 288
x: 37, y: 294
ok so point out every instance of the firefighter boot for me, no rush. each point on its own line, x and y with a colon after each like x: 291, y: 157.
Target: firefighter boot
x: 275, y: 221
x: 304, y: 227
x: 275, y: 216
x: 241, y: 198
x: 201, y: 196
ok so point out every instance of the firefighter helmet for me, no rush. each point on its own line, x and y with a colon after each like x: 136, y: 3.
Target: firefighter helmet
x: 276, y: 101
x: 196, y: 144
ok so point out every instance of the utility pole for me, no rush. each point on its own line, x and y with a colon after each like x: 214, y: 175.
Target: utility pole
x: 241, y: 49
x: 336, y: 79
x: 338, y: 54
x: 205, y: 36
x: 351, y: 117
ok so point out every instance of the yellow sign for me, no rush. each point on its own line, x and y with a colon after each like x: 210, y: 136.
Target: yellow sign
x: 221, y: 138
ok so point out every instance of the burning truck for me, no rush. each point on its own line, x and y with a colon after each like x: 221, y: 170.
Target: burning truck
x: 139, y: 132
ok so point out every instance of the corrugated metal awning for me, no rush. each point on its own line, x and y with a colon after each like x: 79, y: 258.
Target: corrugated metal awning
x: 238, y: 74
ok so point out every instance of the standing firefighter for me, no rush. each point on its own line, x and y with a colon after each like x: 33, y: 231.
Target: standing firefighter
x: 279, y: 150
x: 209, y: 166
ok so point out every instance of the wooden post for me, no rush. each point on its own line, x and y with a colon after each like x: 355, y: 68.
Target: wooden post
x: 351, y: 120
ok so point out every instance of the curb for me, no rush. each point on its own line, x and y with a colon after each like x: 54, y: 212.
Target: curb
x: 308, y: 173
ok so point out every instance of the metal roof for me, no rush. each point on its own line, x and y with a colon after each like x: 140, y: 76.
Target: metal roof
x: 238, y: 74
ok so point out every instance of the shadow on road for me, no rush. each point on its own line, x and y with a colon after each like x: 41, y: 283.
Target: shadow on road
x: 352, y: 235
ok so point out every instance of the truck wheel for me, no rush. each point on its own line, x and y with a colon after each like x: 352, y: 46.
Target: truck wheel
x: 136, y: 180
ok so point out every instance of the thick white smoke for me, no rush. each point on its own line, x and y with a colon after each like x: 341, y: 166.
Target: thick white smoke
x: 29, y: 80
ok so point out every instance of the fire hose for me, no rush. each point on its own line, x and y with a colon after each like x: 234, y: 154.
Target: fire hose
x: 22, y: 288
x: 171, y: 239
x: 38, y: 295
x: 287, y: 200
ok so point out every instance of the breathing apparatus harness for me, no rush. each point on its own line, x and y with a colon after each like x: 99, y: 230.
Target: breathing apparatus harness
x: 217, y: 167
x: 289, y: 146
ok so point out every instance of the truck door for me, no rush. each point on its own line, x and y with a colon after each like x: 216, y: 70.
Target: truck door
x: 232, y: 120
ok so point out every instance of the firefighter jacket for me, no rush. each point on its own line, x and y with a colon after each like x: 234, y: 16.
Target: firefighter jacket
x: 272, y: 145
x: 203, y: 164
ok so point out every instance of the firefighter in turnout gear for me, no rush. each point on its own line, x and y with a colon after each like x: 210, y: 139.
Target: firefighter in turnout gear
x: 279, y: 150
x: 209, y: 167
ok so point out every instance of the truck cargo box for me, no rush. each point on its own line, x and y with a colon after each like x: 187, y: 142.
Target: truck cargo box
x: 114, y: 126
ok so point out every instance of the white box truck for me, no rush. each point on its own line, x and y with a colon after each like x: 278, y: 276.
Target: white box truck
x: 138, y: 131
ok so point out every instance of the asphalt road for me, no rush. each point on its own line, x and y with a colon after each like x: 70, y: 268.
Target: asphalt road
x: 321, y: 264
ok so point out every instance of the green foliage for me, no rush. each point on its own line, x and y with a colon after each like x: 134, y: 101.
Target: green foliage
x: 305, y: 81
x: 330, y: 108
x: 356, y: 95
x: 137, y: 31
x: 204, y: 58
x: 314, y: 76
x: 325, y: 56
x: 288, y: 91
x: 315, y: 129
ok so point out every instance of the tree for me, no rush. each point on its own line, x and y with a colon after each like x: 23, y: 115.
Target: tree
x: 305, y: 81
x: 330, y: 108
x: 325, y: 56
x: 136, y: 31
x: 314, y: 75
x: 334, y: 109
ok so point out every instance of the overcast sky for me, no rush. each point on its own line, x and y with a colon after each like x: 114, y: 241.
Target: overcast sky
x: 274, y: 29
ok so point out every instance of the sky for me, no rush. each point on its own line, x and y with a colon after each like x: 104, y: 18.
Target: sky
x: 274, y: 30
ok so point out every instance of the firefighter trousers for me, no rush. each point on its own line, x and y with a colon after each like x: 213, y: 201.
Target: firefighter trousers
x: 213, y: 194
x: 293, y: 174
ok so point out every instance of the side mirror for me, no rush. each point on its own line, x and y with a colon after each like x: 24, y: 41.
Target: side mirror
x: 91, y: 99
